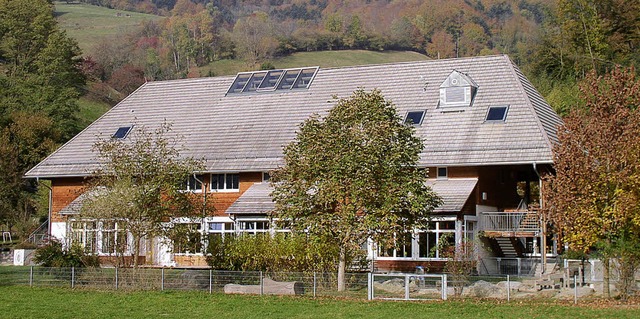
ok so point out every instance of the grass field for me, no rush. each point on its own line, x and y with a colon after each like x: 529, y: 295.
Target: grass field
x: 25, y: 302
x: 325, y: 59
x: 91, y: 24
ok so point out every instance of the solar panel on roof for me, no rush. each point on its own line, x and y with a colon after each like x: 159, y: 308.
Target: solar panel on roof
x: 121, y: 132
x: 414, y: 117
x: 497, y: 113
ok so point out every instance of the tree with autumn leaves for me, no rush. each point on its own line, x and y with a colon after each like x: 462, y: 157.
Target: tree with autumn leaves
x: 593, y: 201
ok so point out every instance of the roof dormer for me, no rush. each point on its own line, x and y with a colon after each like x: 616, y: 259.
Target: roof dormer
x: 458, y: 90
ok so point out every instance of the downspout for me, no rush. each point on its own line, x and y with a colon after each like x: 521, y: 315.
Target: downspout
x: 204, y: 213
x: 543, y: 224
x: 50, y: 205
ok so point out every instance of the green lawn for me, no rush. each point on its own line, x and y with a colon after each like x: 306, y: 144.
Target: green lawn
x: 25, y: 302
x: 325, y: 59
x: 91, y: 24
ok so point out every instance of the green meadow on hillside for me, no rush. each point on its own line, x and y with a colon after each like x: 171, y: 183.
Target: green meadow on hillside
x: 91, y: 24
x: 324, y: 59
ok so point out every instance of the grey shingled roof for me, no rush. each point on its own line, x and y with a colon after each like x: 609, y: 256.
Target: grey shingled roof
x: 76, y: 205
x: 246, y: 132
x: 255, y: 200
x: 453, y: 192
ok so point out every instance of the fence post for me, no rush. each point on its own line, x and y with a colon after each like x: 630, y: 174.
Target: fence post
x: 162, y: 280
x: 73, y: 275
x: 444, y: 287
x: 509, y: 287
x: 31, y: 276
x: 116, y: 277
x: 261, y: 284
x: 315, y: 282
x: 575, y: 289
x: 519, y: 266
x: 406, y: 287
x: 210, y: 280
x: 370, y: 286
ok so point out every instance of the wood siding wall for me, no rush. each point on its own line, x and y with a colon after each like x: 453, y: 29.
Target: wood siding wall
x: 64, y: 191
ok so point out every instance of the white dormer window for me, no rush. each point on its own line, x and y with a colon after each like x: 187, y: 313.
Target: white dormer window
x: 458, y: 90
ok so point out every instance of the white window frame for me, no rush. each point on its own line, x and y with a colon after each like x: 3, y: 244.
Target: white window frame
x: 446, y: 175
x: 415, y: 241
x: 225, y: 189
x: 99, y: 235
x: 199, y: 180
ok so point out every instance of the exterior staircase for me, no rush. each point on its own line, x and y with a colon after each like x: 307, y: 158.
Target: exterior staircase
x: 506, y: 246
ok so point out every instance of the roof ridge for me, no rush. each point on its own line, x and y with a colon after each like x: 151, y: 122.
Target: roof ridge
x: 525, y: 94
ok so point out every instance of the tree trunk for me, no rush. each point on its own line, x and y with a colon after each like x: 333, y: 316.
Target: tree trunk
x: 605, y: 277
x: 342, y: 266
x: 136, y: 251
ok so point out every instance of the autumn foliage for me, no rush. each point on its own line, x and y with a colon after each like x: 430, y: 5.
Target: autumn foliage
x: 594, y: 198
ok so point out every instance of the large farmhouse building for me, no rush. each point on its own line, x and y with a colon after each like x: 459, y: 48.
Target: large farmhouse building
x: 488, y: 137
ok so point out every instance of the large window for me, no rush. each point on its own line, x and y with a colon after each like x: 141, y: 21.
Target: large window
x: 433, y: 242
x: 422, y: 244
x: 225, y: 182
x: 99, y: 237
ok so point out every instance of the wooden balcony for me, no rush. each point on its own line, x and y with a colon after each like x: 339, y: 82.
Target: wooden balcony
x: 510, y: 224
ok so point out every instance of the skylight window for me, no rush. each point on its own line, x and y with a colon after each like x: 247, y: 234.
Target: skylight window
x: 414, y: 118
x: 270, y: 81
x: 497, y: 114
x: 288, y: 80
x: 254, y: 82
x: 274, y: 80
x: 122, y: 132
x: 239, y: 83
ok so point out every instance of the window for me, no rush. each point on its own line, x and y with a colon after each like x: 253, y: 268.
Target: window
x: 253, y: 226
x: 122, y: 132
x: 414, y: 118
x: 442, y: 232
x: 239, y: 83
x: 402, y: 247
x: 458, y: 90
x: 187, y: 238
x: 105, y: 237
x: 225, y: 182
x: 85, y: 233
x: 265, y: 177
x: 271, y: 80
x: 254, y: 82
x: 497, y: 114
x: 274, y: 80
x: 194, y: 184
x: 442, y: 172
x: 288, y: 79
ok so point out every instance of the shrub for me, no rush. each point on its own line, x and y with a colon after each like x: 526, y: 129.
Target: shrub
x: 53, y: 255
x: 277, y: 253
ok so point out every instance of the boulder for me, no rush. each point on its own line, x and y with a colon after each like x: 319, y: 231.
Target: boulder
x: 269, y: 287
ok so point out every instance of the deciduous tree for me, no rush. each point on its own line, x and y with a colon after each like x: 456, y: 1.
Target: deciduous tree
x: 353, y: 175
x: 140, y: 184
x: 594, y: 198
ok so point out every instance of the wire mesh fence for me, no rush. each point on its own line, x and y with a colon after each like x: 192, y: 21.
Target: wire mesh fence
x: 358, y: 285
x: 307, y: 283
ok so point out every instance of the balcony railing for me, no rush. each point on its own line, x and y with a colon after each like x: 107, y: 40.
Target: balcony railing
x: 526, y: 221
